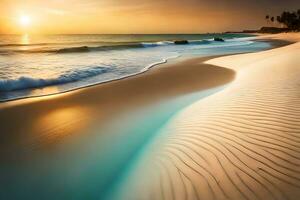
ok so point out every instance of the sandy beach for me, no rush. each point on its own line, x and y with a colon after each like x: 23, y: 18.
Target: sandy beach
x: 44, y: 121
x: 240, y: 143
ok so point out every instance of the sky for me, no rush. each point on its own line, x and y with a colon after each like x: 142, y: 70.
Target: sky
x: 136, y: 16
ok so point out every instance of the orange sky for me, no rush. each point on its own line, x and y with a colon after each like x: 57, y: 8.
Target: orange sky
x: 136, y: 16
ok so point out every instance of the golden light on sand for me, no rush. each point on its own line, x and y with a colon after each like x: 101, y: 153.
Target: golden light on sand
x: 61, y: 122
x: 25, y: 20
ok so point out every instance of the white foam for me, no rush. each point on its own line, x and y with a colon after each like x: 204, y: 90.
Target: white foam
x: 24, y: 82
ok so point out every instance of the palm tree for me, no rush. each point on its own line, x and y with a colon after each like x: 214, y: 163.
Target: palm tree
x: 279, y: 20
x: 267, y: 18
x: 289, y: 20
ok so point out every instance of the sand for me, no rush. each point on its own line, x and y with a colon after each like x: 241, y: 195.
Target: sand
x: 38, y: 123
x: 240, y: 143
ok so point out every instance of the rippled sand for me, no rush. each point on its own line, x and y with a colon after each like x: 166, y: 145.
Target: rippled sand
x: 241, y: 143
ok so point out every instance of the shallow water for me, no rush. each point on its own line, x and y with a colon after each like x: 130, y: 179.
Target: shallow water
x: 94, y: 165
x: 42, y: 65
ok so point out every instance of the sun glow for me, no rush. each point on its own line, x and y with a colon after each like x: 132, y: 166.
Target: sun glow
x: 25, y: 20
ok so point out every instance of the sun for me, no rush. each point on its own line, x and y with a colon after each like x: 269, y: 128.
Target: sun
x: 24, y: 20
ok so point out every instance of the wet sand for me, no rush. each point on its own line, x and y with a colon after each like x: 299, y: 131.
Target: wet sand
x: 38, y: 123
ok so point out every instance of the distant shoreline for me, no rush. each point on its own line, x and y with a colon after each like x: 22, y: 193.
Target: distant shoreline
x: 263, y: 30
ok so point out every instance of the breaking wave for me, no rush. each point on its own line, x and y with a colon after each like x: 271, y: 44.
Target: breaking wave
x: 30, y: 82
x: 82, y: 49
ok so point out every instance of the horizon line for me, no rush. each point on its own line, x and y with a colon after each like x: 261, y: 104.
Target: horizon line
x: 224, y: 32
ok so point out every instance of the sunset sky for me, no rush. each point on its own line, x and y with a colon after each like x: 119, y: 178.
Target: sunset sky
x: 136, y: 16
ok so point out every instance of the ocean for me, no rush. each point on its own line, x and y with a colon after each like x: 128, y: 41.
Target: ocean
x: 32, y: 65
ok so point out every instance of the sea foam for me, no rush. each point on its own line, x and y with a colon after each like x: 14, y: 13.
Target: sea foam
x: 24, y: 82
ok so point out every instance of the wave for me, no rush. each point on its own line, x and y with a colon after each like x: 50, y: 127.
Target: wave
x: 208, y: 41
x: 100, y: 48
x: 82, y: 49
x: 123, y: 46
x: 24, y: 82
x: 109, y: 47
x: 155, y: 44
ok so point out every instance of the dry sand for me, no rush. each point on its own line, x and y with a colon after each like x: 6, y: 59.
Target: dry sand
x: 240, y: 143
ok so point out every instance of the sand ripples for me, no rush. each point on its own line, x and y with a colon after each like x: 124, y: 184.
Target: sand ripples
x: 242, y: 143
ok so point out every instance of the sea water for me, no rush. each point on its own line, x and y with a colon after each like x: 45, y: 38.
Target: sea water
x: 36, y: 65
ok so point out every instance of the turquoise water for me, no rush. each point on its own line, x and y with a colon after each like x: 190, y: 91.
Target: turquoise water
x: 32, y: 65
x: 150, y: 126
x: 94, y: 166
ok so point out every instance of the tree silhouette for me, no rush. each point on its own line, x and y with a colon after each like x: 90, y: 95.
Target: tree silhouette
x: 278, y: 19
x: 290, y: 20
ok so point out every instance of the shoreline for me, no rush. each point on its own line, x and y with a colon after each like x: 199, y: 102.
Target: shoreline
x: 63, y: 137
x: 99, y: 103
x: 90, y: 85
x: 274, y: 44
x: 44, y: 121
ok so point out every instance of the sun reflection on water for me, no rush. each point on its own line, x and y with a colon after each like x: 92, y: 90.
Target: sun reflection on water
x: 25, y: 39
